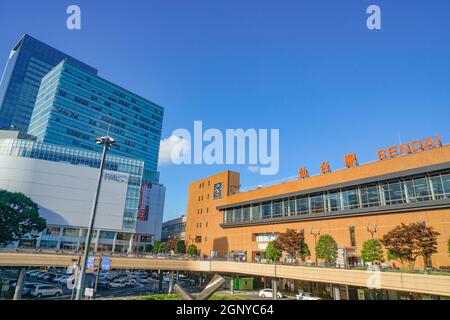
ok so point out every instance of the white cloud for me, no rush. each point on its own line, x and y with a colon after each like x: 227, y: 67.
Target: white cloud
x: 254, y: 169
x: 169, y: 149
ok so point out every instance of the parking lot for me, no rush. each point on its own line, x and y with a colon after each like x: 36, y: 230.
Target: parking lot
x: 55, y: 283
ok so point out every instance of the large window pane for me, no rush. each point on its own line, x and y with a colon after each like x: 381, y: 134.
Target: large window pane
x: 256, y: 211
x: 246, y: 213
x: 291, y: 206
x: 437, y: 187
x: 317, y: 203
x: 393, y: 193
x: 421, y: 189
x: 446, y: 183
x: 370, y: 196
x: 350, y: 199
x: 276, y: 209
x: 302, y: 205
x: 266, y: 210
x: 410, y: 194
x: 237, y: 214
x: 334, y: 201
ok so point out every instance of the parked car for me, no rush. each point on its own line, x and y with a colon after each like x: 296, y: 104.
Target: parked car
x: 27, y: 288
x: 118, y: 283
x: 103, y: 284
x: 40, y: 275
x: 60, y: 279
x: 267, y: 293
x: 143, y: 280
x: 44, y: 290
x: 306, y: 296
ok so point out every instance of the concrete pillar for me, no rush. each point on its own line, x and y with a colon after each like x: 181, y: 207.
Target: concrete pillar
x: 114, y: 242
x: 170, y: 282
x: 336, y: 292
x: 178, y: 276
x: 232, y: 285
x: 274, y: 289
x: 130, y: 245
x: 160, y: 282
x: 61, y: 232
x: 19, y: 284
x: 96, y: 240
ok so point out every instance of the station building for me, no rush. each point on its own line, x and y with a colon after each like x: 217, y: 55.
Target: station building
x: 408, y: 183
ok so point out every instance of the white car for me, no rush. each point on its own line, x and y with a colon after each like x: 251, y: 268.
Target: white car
x: 61, y: 279
x: 267, y: 293
x: 306, y: 296
x: 45, y: 290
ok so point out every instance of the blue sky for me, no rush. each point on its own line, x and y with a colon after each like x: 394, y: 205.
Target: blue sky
x: 309, y: 68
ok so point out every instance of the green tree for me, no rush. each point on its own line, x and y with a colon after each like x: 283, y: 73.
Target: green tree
x: 304, y: 251
x: 163, y: 247
x: 372, y: 250
x: 147, y: 248
x: 272, y: 252
x: 407, y: 242
x: 19, y: 216
x: 192, y: 250
x: 156, y: 247
x: 326, y: 248
x: 180, y: 247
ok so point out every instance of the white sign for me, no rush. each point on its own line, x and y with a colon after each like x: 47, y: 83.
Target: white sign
x: 262, y: 246
x: 89, y: 292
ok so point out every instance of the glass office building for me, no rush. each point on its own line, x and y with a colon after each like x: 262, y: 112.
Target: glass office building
x: 74, y: 107
x: 61, y: 180
x: 29, y: 61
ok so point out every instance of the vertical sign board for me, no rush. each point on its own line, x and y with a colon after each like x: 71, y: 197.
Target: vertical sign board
x: 106, y: 263
x: 90, y: 263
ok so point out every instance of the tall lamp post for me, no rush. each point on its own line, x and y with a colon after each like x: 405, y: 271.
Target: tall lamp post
x: 107, y: 142
x: 315, y: 233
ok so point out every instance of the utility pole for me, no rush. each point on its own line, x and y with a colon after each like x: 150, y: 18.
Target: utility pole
x: 107, y: 142
x: 315, y: 233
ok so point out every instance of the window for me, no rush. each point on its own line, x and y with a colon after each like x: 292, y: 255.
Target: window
x: 350, y: 199
x: 198, y: 239
x: 302, y: 205
x: 334, y: 201
x: 370, y: 196
x: 291, y: 206
x: 446, y: 184
x: 437, y: 187
x: 421, y: 189
x: 266, y: 210
x: 237, y: 214
x: 256, y: 211
x: 317, y: 203
x: 276, y: 209
x: 393, y: 193
x: 246, y: 213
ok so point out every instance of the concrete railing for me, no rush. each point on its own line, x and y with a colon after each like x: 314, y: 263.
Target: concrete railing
x: 421, y: 283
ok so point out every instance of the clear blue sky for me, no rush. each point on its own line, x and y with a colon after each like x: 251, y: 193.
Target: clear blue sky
x: 310, y: 68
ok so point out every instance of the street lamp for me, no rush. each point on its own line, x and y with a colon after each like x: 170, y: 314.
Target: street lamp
x: 315, y: 233
x: 107, y: 142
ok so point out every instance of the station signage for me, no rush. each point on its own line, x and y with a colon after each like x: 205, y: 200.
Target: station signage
x: 408, y: 148
x: 350, y: 160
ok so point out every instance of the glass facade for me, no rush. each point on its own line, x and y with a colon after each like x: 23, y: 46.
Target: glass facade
x: 29, y: 61
x: 80, y: 157
x: 406, y: 190
x: 74, y: 107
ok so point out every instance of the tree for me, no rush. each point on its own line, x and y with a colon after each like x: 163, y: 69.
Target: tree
x: 192, y: 250
x: 19, y: 216
x: 304, y: 251
x: 290, y: 242
x: 147, y: 248
x: 372, y: 250
x: 408, y: 242
x: 272, y: 252
x: 156, y: 247
x: 326, y: 248
x: 162, y: 247
x: 170, y: 244
x: 180, y: 246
